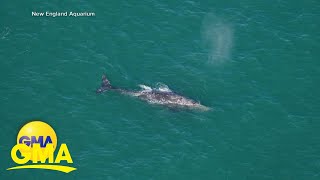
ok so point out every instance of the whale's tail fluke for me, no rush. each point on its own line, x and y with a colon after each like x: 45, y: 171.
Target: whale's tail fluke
x: 105, y: 85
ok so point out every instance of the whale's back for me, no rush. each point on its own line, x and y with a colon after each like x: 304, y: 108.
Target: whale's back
x: 160, y: 97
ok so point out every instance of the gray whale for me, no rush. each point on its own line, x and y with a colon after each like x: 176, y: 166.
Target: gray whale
x: 154, y: 96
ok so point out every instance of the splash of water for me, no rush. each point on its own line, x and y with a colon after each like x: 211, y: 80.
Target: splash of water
x: 162, y: 87
x: 218, y: 37
x: 159, y: 87
x: 145, y: 88
x: 5, y: 33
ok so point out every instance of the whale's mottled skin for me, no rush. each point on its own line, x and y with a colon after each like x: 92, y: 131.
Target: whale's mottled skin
x: 154, y: 96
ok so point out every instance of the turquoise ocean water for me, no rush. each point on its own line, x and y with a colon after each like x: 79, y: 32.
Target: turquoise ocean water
x: 255, y: 63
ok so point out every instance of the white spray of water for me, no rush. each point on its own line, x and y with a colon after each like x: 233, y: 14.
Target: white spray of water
x: 159, y: 87
x: 5, y: 33
x: 218, y: 37
x: 162, y: 87
x: 145, y: 88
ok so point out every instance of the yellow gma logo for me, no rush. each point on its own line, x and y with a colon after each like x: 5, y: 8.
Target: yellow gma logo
x: 36, y: 142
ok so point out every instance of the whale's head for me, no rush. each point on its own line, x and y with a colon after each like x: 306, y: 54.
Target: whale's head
x: 194, y: 105
x: 199, y: 106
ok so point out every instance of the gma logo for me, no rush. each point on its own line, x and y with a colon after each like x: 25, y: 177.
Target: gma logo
x: 36, y: 143
x: 30, y: 141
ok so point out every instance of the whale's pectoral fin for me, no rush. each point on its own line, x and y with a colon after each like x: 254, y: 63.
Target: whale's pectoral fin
x: 105, y: 85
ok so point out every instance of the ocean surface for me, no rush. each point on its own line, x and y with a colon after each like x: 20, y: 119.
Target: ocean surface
x: 255, y: 63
